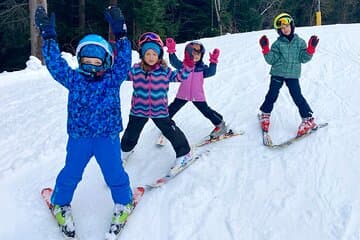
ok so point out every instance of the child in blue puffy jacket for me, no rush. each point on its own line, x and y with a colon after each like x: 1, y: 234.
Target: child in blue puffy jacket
x: 94, y: 117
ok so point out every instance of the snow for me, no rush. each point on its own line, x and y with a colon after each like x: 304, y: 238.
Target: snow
x: 239, y: 190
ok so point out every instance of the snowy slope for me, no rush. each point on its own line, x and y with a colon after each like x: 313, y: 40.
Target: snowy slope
x: 240, y: 190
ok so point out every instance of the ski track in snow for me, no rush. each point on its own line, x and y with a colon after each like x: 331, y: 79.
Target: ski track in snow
x: 238, y: 190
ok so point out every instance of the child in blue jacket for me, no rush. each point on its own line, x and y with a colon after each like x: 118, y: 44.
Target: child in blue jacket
x: 94, y: 117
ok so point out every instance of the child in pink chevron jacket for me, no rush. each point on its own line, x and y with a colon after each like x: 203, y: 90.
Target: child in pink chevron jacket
x: 193, y: 89
x: 151, y: 78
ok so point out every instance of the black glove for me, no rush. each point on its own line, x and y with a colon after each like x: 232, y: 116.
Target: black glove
x: 45, y: 24
x: 116, y: 20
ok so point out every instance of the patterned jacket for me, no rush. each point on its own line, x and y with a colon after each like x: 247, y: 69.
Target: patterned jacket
x: 193, y: 88
x: 149, y: 98
x: 93, y: 106
x: 286, y: 57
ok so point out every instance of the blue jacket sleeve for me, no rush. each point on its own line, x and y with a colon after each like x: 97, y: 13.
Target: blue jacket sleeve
x: 57, y: 66
x: 210, y: 71
x: 175, y: 62
x: 122, y: 62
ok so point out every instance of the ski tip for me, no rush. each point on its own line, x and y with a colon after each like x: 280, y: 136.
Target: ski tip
x: 140, y: 190
x: 323, y: 124
x: 45, y: 190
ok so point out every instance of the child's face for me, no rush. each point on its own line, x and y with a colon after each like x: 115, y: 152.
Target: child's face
x: 151, y: 57
x: 91, y: 61
x: 286, y: 29
x: 196, y: 52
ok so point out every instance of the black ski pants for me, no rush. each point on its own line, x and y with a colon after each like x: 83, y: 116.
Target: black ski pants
x: 295, y: 91
x: 203, y: 107
x: 167, y: 127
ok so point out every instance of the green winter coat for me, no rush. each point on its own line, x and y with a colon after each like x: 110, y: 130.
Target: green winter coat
x: 286, y: 57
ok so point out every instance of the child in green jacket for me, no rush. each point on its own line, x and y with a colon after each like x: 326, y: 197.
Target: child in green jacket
x: 287, y: 54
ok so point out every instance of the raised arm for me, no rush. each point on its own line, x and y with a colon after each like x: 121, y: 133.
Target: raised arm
x: 188, y: 66
x: 57, y: 66
x: 211, y: 70
x: 116, y: 20
x: 123, y: 60
x: 308, y: 51
x: 171, y: 49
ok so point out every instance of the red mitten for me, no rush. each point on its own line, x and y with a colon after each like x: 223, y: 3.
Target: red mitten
x: 214, y: 56
x: 264, y: 43
x: 313, y: 42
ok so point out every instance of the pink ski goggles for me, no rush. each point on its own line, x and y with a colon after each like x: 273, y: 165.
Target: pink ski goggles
x: 150, y: 37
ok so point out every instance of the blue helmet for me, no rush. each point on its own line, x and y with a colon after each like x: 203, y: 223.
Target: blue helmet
x: 95, y: 46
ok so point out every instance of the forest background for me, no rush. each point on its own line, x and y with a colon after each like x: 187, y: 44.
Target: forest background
x: 181, y: 19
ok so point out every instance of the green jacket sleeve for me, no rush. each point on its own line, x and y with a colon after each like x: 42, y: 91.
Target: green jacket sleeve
x: 274, y: 55
x: 304, y: 56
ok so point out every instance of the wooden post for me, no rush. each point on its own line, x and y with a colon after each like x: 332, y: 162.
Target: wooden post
x: 82, y: 15
x: 34, y: 32
x: 318, y: 15
x: 111, y: 36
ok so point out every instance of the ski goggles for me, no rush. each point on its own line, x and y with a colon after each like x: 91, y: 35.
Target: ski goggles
x: 197, y: 48
x: 150, y: 37
x: 282, y: 21
x: 197, y: 51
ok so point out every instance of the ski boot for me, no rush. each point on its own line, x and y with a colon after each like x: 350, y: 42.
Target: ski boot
x: 265, y: 121
x: 306, y: 125
x: 181, y: 162
x: 219, y: 130
x: 118, y: 220
x: 65, y: 220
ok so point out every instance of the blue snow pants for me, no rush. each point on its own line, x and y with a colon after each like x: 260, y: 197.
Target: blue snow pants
x: 106, y: 151
x: 295, y: 92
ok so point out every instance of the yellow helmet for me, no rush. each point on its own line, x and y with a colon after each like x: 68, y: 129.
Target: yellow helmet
x: 283, y: 18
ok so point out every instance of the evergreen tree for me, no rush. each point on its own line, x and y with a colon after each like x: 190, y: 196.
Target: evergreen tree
x: 148, y: 17
x: 195, y: 20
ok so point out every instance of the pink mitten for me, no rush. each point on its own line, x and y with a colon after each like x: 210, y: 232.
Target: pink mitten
x: 171, y: 45
x: 214, y: 55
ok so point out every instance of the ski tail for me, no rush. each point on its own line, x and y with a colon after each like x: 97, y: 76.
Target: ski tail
x: 161, y: 141
x: 207, y: 140
x: 173, y: 173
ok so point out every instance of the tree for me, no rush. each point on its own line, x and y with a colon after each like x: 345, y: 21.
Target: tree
x: 35, y: 37
x: 82, y: 15
x: 14, y: 34
x: 148, y: 17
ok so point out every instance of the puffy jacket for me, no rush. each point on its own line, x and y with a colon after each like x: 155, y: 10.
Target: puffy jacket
x: 149, y: 98
x: 287, y: 56
x: 93, y: 106
x: 193, y: 88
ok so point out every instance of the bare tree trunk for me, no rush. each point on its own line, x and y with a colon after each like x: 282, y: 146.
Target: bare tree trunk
x: 111, y: 36
x: 82, y: 15
x: 217, y: 4
x: 269, y: 5
x: 34, y: 33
